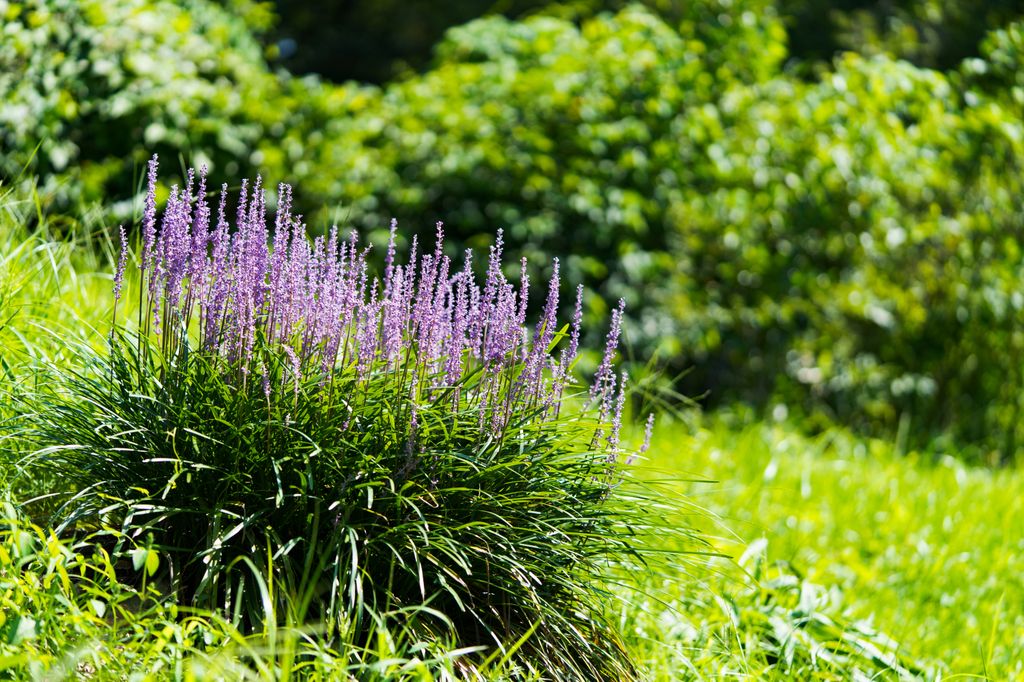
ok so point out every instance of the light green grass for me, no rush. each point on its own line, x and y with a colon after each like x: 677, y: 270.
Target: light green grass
x: 933, y: 553
x: 51, y: 289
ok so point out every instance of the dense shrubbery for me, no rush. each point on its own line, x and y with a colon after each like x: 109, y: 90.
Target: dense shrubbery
x: 846, y: 244
x: 571, y: 139
x: 87, y: 87
x: 857, y: 245
x: 375, y: 40
x: 931, y: 33
x: 372, y: 41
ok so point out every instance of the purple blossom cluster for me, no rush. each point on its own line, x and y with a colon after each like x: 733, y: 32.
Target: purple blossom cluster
x: 235, y: 290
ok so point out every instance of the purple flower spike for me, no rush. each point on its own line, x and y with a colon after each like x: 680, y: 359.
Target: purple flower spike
x: 546, y: 327
x: 262, y: 291
x: 601, y: 383
x: 648, y: 432
x: 524, y: 291
x: 122, y: 260
x: 149, y: 218
x: 614, y: 434
x: 389, y: 258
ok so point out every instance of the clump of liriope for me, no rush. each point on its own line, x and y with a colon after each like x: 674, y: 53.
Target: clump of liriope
x: 395, y: 453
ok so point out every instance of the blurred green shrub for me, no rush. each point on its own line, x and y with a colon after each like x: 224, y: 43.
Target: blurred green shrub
x: 376, y: 40
x: 89, y: 89
x: 999, y: 73
x: 570, y: 138
x: 858, y: 246
x: 372, y: 40
x: 931, y: 33
x: 848, y: 245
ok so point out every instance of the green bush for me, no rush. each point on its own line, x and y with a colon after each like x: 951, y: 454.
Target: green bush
x: 373, y: 41
x: 570, y: 138
x: 380, y: 40
x: 394, y: 454
x: 846, y: 245
x: 863, y: 255
x: 89, y: 90
x: 997, y: 73
x: 930, y: 33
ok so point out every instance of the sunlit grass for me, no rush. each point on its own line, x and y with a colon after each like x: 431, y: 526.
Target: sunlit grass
x: 932, y: 553
x: 50, y: 289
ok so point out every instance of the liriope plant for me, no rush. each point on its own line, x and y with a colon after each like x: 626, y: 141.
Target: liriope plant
x: 400, y: 455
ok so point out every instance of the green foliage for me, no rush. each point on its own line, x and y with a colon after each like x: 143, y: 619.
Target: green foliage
x: 865, y: 264
x: 373, y: 41
x: 88, y: 90
x: 68, y: 609
x: 82, y: 608
x: 547, y: 129
x: 997, y: 73
x: 52, y: 279
x: 846, y: 245
x: 380, y: 41
x: 90, y: 608
x: 931, y: 33
x: 768, y: 621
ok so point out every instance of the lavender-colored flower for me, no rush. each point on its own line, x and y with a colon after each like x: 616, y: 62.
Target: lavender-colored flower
x: 316, y: 305
x: 389, y: 257
x: 574, y: 332
x: 176, y: 247
x: 503, y: 336
x: 393, y: 322
x: 648, y: 433
x: 122, y: 260
x: 524, y: 291
x: 199, y: 250
x: 149, y: 218
x: 616, y: 427
x: 487, y: 300
x: 213, y: 305
x: 546, y: 326
x: 460, y: 321
x: 543, y: 335
x: 602, y: 385
x: 367, y: 334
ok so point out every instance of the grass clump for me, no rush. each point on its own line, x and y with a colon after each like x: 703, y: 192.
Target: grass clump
x: 295, y: 441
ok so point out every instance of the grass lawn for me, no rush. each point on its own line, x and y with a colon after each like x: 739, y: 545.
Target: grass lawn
x: 931, y: 553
